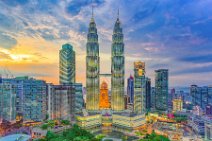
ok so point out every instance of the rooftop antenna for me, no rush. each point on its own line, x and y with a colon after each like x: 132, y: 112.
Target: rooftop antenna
x: 92, y: 6
x: 118, y: 14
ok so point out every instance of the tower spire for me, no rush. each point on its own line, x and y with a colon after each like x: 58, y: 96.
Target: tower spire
x: 118, y: 14
x: 92, y: 11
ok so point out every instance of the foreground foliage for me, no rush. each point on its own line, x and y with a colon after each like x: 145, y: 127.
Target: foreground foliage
x: 73, y: 134
x: 154, y: 137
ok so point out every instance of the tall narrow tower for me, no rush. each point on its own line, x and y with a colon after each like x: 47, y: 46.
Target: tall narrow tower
x: 92, y: 67
x: 117, y: 68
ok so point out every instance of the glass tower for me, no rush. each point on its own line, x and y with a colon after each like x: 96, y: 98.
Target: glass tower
x: 161, y: 89
x: 117, y: 68
x: 139, y: 87
x: 67, y: 64
x: 130, y: 89
x: 92, y: 68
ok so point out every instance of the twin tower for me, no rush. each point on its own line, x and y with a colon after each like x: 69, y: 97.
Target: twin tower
x: 93, y: 68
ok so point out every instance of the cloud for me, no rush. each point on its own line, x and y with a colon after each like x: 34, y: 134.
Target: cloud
x: 75, y: 6
x: 7, y: 41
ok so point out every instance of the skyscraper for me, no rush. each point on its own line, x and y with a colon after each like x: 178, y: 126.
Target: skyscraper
x: 117, y: 68
x: 30, y: 97
x: 7, y: 101
x: 161, y: 89
x: 67, y: 64
x: 92, y: 67
x: 130, y: 89
x: 148, y: 93
x: 139, y: 87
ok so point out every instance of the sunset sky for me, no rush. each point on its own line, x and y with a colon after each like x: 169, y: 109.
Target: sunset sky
x: 173, y: 34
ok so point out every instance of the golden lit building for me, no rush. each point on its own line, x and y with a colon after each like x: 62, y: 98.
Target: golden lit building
x: 177, y: 105
x: 104, y: 97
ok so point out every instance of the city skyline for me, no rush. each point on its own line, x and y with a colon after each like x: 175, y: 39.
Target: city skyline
x: 150, y: 35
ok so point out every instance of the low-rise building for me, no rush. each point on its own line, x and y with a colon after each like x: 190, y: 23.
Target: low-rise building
x: 128, y: 120
x: 88, y: 120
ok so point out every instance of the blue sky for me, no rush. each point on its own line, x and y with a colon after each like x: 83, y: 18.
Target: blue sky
x: 173, y: 34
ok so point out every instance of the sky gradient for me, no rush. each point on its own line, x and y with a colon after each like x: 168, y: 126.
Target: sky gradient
x: 172, y: 34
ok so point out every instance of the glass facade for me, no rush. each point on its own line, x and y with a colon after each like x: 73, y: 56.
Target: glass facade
x: 161, y: 89
x: 7, y: 102
x: 67, y: 65
x: 92, y: 68
x: 139, y: 87
x: 117, y: 68
x: 130, y: 89
x: 31, y: 100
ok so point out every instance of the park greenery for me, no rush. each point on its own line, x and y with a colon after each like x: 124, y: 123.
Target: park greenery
x: 154, y: 137
x: 73, y: 134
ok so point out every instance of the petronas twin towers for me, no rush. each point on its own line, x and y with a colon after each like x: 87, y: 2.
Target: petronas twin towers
x: 93, y: 68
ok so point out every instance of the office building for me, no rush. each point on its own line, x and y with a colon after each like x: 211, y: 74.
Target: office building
x: 8, y: 102
x: 92, y: 68
x: 31, y: 97
x: 67, y: 64
x: 177, y: 105
x: 148, y: 94
x: 64, y: 101
x: 153, y: 97
x: 130, y: 89
x: 139, y: 87
x: 117, y: 68
x: 161, y: 89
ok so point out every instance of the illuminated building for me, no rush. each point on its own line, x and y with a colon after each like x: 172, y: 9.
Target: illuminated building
x: 161, y: 89
x: 139, y: 87
x: 7, y: 102
x: 64, y: 101
x: 117, y: 68
x: 128, y: 120
x: 104, y: 97
x: 177, y: 105
x: 86, y: 120
x: 67, y: 65
x: 130, y: 89
x: 92, y: 68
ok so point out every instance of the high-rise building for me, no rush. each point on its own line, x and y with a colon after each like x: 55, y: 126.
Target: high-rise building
x: 67, y: 69
x: 8, y: 102
x: 153, y: 97
x: 117, y: 68
x: 210, y: 95
x: 104, y: 96
x: 58, y: 107
x: 139, y: 87
x: 130, y: 89
x: 31, y: 100
x: 64, y: 101
x: 195, y: 94
x: 204, y: 97
x: 161, y: 89
x: 92, y: 68
x: 177, y: 105
x: 148, y: 93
